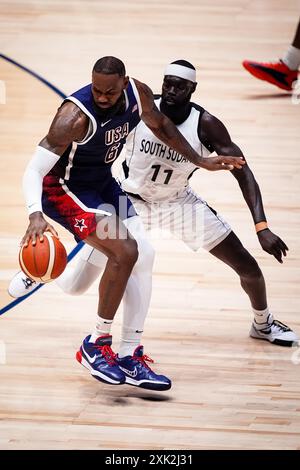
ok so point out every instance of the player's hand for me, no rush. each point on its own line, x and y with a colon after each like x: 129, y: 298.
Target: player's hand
x: 37, y: 226
x: 222, y: 163
x: 272, y: 244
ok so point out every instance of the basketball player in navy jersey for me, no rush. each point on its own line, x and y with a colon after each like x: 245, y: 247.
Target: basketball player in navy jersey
x: 156, y: 179
x: 69, y: 179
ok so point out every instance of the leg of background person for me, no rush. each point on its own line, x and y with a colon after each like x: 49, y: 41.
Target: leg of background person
x: 296, y: 41
x: 291, y: 57
x: 282, y: 73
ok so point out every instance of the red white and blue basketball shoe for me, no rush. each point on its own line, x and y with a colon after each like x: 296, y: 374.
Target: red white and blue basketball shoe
x: 101, y: 361
x: 139, y: 374
x: 276, y: 73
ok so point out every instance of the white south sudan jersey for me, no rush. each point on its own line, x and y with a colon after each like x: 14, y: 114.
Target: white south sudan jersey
x: 152, y: 170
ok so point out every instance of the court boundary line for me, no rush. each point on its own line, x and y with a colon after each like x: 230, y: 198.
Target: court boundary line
x: 78, y: 247
x: 35, y: 75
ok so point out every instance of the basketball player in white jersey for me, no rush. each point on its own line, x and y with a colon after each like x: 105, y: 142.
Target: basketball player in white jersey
x: 156, y: 178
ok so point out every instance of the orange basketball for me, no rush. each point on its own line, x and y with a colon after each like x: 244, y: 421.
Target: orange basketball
x: 45, y: 261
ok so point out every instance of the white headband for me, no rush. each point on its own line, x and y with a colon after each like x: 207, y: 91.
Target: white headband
x: 181, y: 71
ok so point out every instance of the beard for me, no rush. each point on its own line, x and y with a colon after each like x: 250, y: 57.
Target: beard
x: 177, y: 112
x: 108, y: 113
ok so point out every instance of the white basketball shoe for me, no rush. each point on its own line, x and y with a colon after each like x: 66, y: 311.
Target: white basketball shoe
x: 21, y: 285
x: 275, y: 332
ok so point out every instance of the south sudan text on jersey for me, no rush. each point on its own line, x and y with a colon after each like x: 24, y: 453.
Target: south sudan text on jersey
x: 160, y: 150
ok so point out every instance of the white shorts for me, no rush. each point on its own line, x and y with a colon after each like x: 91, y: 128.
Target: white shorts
x: 188, y: 217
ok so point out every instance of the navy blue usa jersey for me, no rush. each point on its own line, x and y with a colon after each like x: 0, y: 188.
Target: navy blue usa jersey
x: 88, y: 163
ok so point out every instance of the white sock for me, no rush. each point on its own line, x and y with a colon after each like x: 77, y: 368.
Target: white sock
x: 292, y: 58
x: 130, y: 340
x: 261, y: 316
x: 103, y: 327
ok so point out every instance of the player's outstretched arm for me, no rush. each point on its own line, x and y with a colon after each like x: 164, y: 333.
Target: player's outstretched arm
x: 164, y: 129
x: 69, y: 125
x: 215, y: 135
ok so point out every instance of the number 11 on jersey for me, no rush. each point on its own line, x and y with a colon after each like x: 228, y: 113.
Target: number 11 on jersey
x: 156, y: 171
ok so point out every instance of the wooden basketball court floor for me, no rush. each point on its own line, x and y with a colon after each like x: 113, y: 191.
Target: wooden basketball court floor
x: 229, y: 391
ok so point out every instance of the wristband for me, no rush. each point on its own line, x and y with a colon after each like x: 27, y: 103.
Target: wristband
x: 261, y: 226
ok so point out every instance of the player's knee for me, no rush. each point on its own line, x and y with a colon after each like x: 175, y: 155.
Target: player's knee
x: 250, y: 270
x: 128, y: 253
x: 131, y: 251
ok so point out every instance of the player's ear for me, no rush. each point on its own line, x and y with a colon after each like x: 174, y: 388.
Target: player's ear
x: 194, y: 87
x: 126, y: 81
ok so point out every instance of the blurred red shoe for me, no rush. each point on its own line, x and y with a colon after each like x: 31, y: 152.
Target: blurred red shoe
x: 276, y: 73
